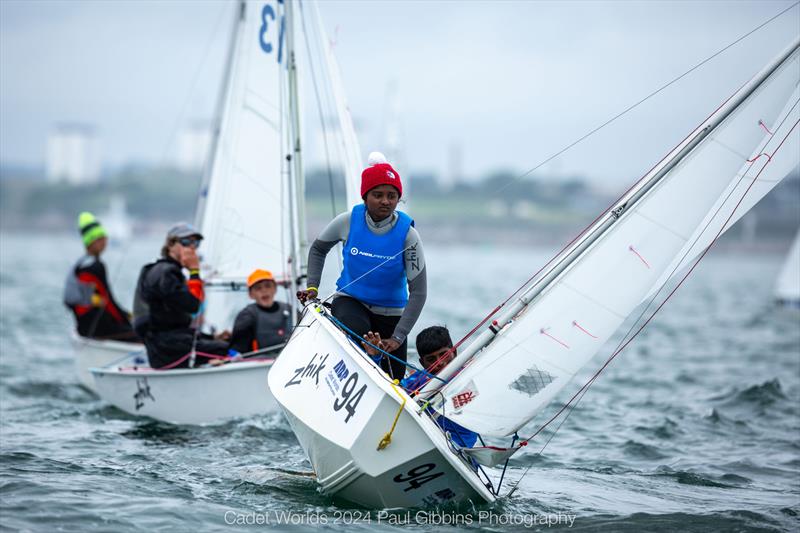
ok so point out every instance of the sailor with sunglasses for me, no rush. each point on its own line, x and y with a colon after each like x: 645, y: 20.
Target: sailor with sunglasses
x: 166, y: 303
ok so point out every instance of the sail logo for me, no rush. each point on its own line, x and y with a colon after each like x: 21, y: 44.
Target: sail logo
x: 312, y: 370
x: 353, y: 251
x: 463, y: 398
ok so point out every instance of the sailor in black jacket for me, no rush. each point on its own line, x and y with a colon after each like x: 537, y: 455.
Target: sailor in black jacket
x: 168, y: 305
x: 264, y: 323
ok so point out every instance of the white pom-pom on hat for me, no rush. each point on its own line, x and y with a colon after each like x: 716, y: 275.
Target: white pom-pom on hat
x: 376, y: 158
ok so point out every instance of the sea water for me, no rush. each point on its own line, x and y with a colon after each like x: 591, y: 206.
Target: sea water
x: 694, y: 427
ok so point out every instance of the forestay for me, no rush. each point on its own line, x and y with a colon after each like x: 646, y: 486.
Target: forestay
x: 636, y: 247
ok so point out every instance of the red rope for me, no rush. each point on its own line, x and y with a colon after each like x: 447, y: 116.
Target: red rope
x: 632, y: 249
x: 672, y: 292
x: 575, y: 323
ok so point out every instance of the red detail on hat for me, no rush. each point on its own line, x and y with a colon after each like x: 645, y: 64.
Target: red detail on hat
x: 380, y: 174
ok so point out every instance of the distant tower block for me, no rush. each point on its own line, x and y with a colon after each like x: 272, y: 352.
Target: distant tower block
x: 73, y: 154
x: 194, y: 142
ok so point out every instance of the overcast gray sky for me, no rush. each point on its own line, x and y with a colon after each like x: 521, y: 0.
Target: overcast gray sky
x: 510, y: 83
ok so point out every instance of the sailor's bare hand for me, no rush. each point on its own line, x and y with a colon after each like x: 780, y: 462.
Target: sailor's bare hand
x: 224, y: 336
x: 372, y: 339
x: 390, y: 345
x: 189, y: 258
x: 305, y: 295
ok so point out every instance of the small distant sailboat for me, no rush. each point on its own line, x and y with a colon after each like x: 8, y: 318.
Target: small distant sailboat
x: 251, y: 211
x: 787, y: 288
x: 117, y: 222
x: 373, y: 444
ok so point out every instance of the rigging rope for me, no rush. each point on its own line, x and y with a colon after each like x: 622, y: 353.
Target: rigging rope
x: 334, y: 211
x: 637, y: 104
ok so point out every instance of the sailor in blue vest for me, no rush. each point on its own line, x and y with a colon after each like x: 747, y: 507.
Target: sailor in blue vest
x: 383, y: 285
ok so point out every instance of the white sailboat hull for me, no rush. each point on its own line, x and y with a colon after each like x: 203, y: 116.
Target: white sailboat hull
x: 92, y: 353
x: 189, y: 396
x: 340, y: 405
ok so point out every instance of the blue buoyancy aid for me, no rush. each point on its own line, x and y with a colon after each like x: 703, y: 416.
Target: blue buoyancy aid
x: 374, y: 267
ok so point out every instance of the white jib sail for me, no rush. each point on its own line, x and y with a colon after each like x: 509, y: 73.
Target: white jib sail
x: 346, y: 140
x: 534, y: 356
x: 787, y: 289
x: 245, y: 219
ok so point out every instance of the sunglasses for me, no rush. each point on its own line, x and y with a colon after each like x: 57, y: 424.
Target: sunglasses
x: 190, y: 241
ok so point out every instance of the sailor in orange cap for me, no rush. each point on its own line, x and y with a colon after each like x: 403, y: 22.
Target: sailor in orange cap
x: 265, y: 322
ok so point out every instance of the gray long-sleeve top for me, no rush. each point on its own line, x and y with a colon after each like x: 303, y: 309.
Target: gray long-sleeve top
x: 413, y: 255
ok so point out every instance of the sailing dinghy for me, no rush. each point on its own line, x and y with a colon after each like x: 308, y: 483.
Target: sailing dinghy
x: 251, y: 212
x: 787, y: 288
x: 373, y: 444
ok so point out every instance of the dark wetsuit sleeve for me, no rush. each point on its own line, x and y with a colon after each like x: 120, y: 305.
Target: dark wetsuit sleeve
x: 172, y: 288
x: 334, y: 232
x: 243, y: 332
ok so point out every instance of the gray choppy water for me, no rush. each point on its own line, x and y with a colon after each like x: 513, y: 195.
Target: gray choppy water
x: 696, y: 426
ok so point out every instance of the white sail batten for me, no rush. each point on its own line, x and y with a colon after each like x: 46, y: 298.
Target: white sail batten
x: 787, y: 288
x: 555, y: 330
x: 244, y: 219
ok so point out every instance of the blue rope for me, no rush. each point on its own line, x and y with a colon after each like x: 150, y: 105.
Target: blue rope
x: 356, y: 336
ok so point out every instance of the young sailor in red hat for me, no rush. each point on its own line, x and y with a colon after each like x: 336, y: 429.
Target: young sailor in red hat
x: 383, y: 284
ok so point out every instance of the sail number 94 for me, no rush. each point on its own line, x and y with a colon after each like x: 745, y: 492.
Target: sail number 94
x: 348, y: 398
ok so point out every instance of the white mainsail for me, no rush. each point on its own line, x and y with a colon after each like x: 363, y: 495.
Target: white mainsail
x: 787, y: 289
x: 245, y: 220
x: 567, y: 314
x: 251, y: 206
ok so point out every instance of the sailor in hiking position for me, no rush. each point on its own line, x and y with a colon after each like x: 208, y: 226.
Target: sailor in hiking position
x: 167, y: 305
x: 383, y: 284
x: 87, y: 292
x: 265, y: 322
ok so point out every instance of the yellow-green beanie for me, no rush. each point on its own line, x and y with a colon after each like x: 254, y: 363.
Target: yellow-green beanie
x: 90, y: 228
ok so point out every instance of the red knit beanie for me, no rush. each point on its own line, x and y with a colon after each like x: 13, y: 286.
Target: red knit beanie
x: 379, y: 172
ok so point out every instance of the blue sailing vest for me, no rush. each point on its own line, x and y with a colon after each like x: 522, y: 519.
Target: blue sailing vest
x: 374, y: 268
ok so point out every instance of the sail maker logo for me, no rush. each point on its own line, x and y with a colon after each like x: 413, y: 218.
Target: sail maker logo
x: 463, y: 398
x: 356, y: 251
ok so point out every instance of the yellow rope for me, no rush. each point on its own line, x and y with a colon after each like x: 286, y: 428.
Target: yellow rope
x: 387, y: 439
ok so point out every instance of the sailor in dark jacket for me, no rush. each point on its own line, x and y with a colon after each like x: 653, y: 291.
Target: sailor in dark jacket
x: 87, y: 291
x: 168, y: 305
x: 264, y: 323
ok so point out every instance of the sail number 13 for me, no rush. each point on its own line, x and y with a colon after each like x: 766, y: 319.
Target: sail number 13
x: 348, y: 398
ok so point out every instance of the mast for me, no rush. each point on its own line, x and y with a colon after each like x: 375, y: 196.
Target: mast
x: 575, y: 252
x: 299, y: 245
x: 238, y: 20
